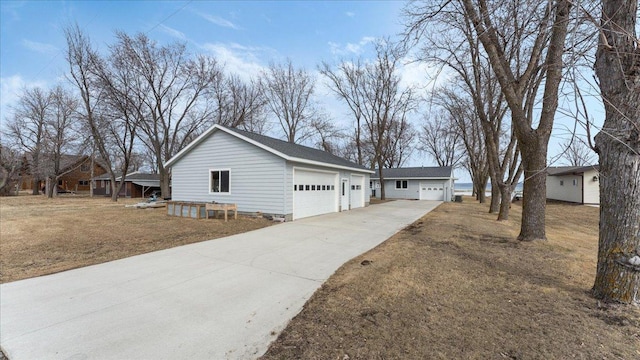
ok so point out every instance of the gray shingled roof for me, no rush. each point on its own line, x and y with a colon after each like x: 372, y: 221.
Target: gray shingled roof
x: 566, y: 170
x: 131, y: 177
x: 415, y: 172
x: 298, y: 151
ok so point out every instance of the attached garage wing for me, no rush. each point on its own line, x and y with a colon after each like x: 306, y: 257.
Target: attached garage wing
x: 314, y: 193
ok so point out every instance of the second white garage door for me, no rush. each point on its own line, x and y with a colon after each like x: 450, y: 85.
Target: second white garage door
x: 432, y: 191
x: 314, y: 193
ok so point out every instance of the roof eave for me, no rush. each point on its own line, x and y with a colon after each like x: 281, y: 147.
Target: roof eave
x: 319, y: 163
x: 416, y: 178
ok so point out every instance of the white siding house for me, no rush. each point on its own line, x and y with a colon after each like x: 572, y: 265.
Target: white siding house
x: 578, y: 184
x: 420, y: 183
x: 267, y: 175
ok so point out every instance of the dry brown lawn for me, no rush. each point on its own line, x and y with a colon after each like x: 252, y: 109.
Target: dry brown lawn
x: 457, y: 285
x: 40, y: 236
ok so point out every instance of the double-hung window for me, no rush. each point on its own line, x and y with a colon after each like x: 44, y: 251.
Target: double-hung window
x: 219, y: 181
x: 401, y: 184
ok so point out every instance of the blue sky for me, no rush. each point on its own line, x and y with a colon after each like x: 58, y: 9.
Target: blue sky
x: 245, y: 36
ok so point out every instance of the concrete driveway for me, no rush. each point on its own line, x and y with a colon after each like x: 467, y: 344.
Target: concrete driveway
x: 220, y: 299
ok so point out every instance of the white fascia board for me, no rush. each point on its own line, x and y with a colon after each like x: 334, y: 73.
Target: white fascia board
x: 412, y: 178
x: 333, y: 166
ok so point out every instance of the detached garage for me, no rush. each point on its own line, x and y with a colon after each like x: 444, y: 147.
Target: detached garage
x: 260, y: 173
x: 419, y: 183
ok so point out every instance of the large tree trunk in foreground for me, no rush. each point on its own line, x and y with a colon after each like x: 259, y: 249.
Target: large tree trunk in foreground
x: 534, y: 192
x: 618, y: 69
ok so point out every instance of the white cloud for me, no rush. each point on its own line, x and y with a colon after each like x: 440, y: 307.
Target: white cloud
x: 422, y: 75
x: 173, y: 32
x: 350, y: 14
x: 350, y: 48
x: 217, y: 20
x: 10, y: 90
x: 39, y: 47
x: 244, y: 61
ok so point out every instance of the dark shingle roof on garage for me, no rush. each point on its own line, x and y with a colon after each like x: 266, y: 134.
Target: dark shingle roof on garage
x: 415, y: 172
x: 286, y: 150
x: 298, y: 151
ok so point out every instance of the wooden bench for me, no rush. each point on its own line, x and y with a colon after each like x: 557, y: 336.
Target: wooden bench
x: 222, y: 207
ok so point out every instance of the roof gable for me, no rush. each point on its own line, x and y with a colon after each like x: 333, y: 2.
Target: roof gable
x: 283, y: 149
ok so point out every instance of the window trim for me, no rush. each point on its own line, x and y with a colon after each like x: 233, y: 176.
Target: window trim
x: 220, y: 174
x: 402, y: 182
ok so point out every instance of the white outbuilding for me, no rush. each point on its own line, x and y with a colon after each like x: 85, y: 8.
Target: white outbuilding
x: 263, y: 174
x: 577, y: 184
x: 419, y: 183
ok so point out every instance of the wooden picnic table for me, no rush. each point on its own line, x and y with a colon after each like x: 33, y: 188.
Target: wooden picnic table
x: 221, y: 207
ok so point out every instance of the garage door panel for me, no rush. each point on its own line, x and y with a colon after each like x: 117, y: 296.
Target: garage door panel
x: 432, y: 191
x: 314, y: 193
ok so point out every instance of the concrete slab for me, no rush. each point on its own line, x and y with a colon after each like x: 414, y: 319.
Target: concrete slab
x: 220, y: 299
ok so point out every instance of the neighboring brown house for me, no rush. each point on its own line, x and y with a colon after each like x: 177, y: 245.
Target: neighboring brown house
x: 77, y: 174
x: 136, y: 185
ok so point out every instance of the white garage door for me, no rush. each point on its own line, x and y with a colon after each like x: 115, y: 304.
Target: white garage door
x: 432, y: 191
x: 314, y: 193
x: 357, y: 191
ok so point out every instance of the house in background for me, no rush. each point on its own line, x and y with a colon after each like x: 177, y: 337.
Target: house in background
x: 76, y: 172
x: 420, y: 183
x: 577, y: 184
x: 262, y: 174
x: 136, y: 185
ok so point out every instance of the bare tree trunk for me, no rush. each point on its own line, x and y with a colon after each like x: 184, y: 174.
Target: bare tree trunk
x: 534, y: 202
x: 617, y: 67
x: 494, y: 206
x: 505, y: 203
x: 93, y: 162
x: 380, y: 171
x: 165, y: 189
x: 482, y: 196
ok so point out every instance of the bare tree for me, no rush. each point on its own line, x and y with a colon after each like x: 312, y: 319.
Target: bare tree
x: 617, y: 67
x: 240, y: 104
x: 28, y: 129
x: 524, y: 43
x: 288, y: 92
x: 112, y: 135
x: 452, y: 41
x: 328, y: 135
x: 345, y: 82
x: 10, y: 168
x: 62, y: 137
x: 466, y: 123
x: 576, y: 153
x: 542, y: 25
x: 167, y: 92
x: 375, y: 96
x: 441, y: 139
x: 401, y: 143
